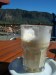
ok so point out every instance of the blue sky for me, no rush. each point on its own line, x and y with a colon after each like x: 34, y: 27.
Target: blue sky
x: 33, y: 5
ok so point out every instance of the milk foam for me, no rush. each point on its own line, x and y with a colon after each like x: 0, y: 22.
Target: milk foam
x: 28, y: 35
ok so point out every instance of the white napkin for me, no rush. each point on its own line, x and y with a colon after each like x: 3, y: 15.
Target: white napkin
x: 50, y: 69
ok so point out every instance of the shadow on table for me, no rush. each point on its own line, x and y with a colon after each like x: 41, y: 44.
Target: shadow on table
x: 4, y: 68
x: 54, y: 52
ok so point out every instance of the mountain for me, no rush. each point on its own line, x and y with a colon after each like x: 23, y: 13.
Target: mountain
x: 18, y: 16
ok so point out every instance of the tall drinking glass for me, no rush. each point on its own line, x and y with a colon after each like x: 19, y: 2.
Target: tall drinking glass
x: 35, y: 41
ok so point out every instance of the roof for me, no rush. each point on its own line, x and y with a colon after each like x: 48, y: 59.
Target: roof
x: 4, y: 2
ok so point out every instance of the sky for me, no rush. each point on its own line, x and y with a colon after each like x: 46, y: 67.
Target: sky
x: 33, y: 5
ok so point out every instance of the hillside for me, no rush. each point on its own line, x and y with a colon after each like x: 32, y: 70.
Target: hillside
x: 18, y: 16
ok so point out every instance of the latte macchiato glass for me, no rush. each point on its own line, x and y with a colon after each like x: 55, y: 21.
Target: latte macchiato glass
x: 35, y: 41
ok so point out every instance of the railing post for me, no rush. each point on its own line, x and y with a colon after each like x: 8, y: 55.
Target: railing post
x: 54, y: 27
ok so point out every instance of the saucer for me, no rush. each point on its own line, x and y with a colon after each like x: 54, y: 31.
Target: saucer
x: 16, y: 67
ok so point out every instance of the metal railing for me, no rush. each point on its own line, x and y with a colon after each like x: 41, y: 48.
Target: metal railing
x: 53, y: 38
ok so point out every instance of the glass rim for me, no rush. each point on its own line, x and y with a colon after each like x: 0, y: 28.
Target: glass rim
x: 36, y: 25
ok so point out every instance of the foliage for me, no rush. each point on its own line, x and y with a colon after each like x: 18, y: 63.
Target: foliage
x: 18, y: 16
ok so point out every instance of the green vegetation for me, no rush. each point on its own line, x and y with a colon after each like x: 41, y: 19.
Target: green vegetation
x: 18, y: 16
